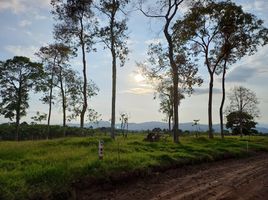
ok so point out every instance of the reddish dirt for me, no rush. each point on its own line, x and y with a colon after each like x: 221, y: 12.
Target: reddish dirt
x: 239, y: 179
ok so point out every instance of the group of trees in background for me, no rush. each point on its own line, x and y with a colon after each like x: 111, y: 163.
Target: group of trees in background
x: 217, y: 32
x: 220, y: 32
x: 76, y: 28
x: 223, y: 33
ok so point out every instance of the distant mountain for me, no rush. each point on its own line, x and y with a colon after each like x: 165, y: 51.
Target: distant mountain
x: 262, y: 125
x: 155, y: 124
x: 262, y: 129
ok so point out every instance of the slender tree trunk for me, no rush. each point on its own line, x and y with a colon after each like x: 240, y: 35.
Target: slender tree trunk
x: 63, y: 104
x: 241, y: 130
x: 176, y: 107
x: 17, y: 125
x: 169, y: 123
x: 240, y: 113
x: 223, y: 98
x: 18, y: 114
x: 113, y: 73
x: 84, y: 109
x: 240, y: 126
x: 113, y: 95
x: 18, y: 122
x: 211, y: 69
x: 210, y: 127
x: 175, y: 82
x: 50, y: 106
x: 64, y: 115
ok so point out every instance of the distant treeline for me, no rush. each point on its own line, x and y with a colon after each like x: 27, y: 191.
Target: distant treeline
x: 40, y: 131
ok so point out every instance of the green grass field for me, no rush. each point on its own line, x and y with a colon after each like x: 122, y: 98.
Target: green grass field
x: 33, y: 169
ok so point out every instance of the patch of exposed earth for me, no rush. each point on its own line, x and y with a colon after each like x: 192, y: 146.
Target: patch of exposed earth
x: 245, y: 179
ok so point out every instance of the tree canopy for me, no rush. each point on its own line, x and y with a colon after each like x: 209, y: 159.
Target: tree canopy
x: 222, y: 33
x: 243, y: 109
x: 243, y: 100
x: 18, y: 76
x: 76, y: 26
x: 238, y: 121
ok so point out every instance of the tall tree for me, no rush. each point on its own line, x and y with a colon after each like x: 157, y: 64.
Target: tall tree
x: 164, y: 92
x: 77, y: 27
x: 157, y: 71
x: 114, y: 37
x: 167, y: 10
x: 124, y: 117
x: 67, y: 86
x: 18, y: 76
x: 243, y: 100
x: 200, y: 29
x: 241, y: 34
x: 54, y: 57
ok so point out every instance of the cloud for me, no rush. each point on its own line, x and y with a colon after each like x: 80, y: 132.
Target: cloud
x: 20, y: 6
x: 15, y: 5
x: 37, y: 16
x: 29, y: 33
x: 139, y: 91
x: 25, y: 23
x: 11, y: 29
x: 184, y: 7
x: 257, y: 5
x: 201, y: 91
x: 154, y: 41
x: 18, y: 50
x: 265, y: 100
x: 261, y: 5
x: 252, y: 67
x: 241, y: 74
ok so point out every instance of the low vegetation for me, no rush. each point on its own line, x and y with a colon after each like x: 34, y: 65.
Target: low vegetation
x: 40, y: 131
x: 46, y: 169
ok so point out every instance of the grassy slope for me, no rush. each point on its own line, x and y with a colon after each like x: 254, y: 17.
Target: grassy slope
x: 30, y: 169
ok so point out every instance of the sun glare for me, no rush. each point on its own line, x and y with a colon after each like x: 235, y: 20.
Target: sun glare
x: 139, y: 78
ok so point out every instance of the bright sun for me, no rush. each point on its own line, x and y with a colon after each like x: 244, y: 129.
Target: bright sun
x: 139, y: 78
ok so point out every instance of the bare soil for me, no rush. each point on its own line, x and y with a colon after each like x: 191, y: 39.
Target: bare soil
x: 244, y: 178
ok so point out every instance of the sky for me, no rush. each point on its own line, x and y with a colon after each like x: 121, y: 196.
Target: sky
x: 26, y: 25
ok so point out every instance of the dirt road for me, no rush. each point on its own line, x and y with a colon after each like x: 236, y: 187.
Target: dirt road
x: 245, y: 178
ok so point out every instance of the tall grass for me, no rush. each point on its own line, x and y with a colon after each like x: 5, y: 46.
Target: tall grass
x: 34, y: 169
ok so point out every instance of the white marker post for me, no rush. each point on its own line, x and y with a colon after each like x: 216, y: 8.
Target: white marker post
x: 101, y: 149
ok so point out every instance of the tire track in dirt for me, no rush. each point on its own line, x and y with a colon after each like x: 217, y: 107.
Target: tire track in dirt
x: 245, y: 178
x: 212, y: 186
